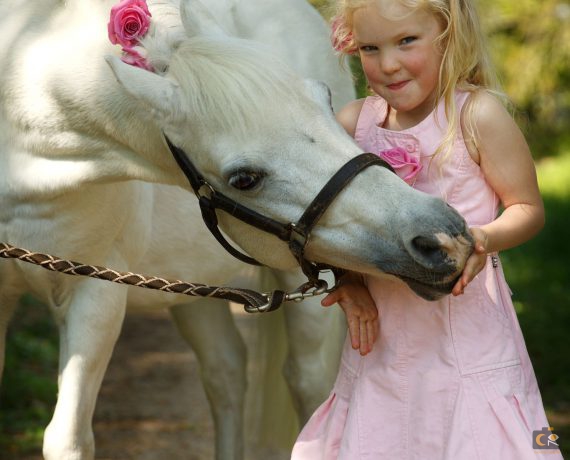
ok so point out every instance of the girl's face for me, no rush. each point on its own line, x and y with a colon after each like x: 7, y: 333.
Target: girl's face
x: 400, y: 56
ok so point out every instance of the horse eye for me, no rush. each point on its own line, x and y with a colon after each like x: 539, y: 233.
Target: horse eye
x: 245, y: 180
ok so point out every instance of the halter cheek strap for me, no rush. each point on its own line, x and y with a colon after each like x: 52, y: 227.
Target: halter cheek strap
x: 296, y: 235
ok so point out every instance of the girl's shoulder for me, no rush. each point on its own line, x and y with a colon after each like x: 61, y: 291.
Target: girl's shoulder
x: 368, y: 110
x: 484, y: 107
x: 482, y: 112
x: 348, y: 115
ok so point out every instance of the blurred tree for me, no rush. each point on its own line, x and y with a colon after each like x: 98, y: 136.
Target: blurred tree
x: 324, y: 6
x: 530, y: 43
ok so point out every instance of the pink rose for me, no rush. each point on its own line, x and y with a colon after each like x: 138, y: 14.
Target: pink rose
x: 130, y: 20
x: 406, y: 166
x: 134, y: 58
x: 341, y: 37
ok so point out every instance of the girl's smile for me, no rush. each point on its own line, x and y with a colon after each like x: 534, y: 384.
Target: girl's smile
x: 398, y: 85
x: 401, y: 59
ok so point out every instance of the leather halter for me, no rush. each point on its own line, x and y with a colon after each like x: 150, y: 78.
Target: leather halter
x: 296, y: 235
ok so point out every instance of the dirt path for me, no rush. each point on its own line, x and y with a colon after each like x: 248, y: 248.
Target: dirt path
x: 151, y: 404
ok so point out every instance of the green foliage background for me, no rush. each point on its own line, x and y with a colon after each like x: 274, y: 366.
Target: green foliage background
x: 530, y: 42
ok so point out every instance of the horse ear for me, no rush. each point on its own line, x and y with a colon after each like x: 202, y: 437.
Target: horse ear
x: 158, y: 92
x: 216, y: 19
x: 320, y: 93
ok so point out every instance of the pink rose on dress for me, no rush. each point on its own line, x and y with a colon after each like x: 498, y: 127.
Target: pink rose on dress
x: 130, y: 20
x: 406, y: 166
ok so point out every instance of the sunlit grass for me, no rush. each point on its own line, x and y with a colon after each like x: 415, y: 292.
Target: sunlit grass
x: 554, y: 176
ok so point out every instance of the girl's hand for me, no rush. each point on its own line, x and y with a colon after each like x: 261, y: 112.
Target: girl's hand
x: 360, y: 310
x: 476, y: 261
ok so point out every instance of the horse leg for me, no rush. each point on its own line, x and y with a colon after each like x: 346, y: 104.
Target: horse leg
x: 88, y: 329
x: 208, y: 327
x: 315, y: 337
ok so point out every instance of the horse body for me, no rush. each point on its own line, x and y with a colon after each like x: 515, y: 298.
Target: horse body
x: 85, y: 174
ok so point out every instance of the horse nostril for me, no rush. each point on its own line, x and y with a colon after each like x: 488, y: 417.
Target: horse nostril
x: 429, y: 247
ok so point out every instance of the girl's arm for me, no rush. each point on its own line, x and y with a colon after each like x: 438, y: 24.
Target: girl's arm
x: 499, y: 147
x: 360, y: 310
x: 352, y: 295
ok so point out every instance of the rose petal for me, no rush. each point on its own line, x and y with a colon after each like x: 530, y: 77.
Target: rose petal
x: 341, y: 41
x: 406, y: 166
x: 129, y: 22
x: 136, y: 59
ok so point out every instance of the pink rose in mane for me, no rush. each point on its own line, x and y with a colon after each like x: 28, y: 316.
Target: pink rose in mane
x: 406, y: 166
x: 130, y: 20
x: 132, y: 57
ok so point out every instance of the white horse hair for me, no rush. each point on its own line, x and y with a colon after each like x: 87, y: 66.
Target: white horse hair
x: 85, y: 174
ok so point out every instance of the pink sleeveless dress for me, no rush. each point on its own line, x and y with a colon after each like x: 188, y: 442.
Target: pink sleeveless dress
x: 446, y: 380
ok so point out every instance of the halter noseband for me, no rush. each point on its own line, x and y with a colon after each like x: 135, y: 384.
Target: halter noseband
x: 296, y: 235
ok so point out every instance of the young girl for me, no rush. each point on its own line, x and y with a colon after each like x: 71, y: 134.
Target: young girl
x: 449, y: 379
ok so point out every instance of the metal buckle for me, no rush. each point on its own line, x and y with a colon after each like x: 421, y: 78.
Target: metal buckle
x: 262, y: 309
x: 297, y: 236
x: 308, y: 290
x: 304, y: 291
x: 205, y: 190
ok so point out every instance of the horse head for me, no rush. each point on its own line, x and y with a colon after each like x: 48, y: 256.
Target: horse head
x: 268, y: 139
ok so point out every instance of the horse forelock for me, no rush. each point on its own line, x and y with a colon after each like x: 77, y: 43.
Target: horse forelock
x: 227, y: 83
x: 231, y: 83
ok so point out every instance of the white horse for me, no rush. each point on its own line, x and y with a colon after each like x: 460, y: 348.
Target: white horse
x: 83, y: 152
x: 297, y: 34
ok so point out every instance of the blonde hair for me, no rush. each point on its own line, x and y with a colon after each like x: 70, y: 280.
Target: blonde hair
x: 466, y: 64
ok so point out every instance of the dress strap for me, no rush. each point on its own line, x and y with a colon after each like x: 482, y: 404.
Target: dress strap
x: 372, y: 114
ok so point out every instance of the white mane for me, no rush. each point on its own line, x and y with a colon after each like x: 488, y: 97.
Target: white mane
x: 227, y: 81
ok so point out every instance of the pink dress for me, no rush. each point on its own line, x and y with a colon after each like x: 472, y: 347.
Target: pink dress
x: 449, y: 379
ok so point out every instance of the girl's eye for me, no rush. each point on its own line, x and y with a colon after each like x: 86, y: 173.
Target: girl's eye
x: 407, y: 40
x: 245, y: 180
x: 367, y: 48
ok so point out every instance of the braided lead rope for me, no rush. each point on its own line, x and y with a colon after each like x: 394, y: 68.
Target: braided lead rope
x: 253, y: 301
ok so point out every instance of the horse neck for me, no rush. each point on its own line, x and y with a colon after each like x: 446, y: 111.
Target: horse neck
x: 70, y: 123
